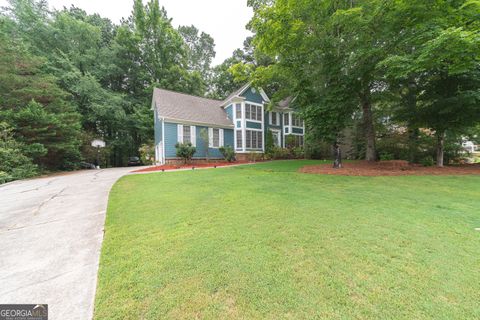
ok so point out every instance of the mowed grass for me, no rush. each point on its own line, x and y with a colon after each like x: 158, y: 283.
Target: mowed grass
x: 265, y: 242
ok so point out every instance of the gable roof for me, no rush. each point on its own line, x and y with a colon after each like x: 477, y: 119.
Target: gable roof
x: 184, y: 107
x: 240, y: 91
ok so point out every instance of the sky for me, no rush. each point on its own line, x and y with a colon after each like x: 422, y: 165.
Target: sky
x: 224, y: 20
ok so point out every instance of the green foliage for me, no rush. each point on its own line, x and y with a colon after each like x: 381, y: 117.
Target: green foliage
x: 428, y: 161
x: 269, y: 141
x: 185, y: 151
x: 147, y: 153
x: 228, y: 153
x: 14, y: 164
x: 67, y: 76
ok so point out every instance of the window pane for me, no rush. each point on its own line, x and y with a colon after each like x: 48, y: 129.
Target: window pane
x: 247, y: 111
x: 254, y: 139
x: 239, y: 139
x: 238, y: 111
x: 259, y: 113
x: 248, y: 139
x: 186, y: 134
x: 253, y: 112
x: 216, y: 138
x: 285, y: 116
x: 260, y: 140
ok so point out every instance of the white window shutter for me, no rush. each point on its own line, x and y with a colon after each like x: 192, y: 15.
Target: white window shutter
x: 221, y: 138
x: 193, y: 136
x: 180, y: 133
x: 210, y: 137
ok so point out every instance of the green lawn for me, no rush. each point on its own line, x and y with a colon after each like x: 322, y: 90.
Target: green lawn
x: 265, y: 242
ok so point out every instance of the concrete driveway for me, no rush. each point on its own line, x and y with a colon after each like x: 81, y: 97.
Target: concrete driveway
x: 51, y: 231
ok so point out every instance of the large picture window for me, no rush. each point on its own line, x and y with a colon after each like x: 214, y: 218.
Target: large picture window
x: 296, y: 121
x: 253, y: 112
x: 253, y: 139
x: 294, y: 141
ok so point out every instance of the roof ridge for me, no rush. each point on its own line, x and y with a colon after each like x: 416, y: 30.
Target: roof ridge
x: 187, y: 94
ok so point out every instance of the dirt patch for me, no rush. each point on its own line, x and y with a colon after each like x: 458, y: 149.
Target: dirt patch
x: 390, y: 168
x: 168, y: 167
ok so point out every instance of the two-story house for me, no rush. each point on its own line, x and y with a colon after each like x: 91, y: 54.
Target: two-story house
x: 240, y: 121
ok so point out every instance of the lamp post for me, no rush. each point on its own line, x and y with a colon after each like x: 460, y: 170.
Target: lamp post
x: 97, y: 143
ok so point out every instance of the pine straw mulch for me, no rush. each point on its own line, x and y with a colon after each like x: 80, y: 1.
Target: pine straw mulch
x: 390, y: 168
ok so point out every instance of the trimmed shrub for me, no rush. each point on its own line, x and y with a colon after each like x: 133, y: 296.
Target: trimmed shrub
x: 185, y: 151
x: 228, y: 153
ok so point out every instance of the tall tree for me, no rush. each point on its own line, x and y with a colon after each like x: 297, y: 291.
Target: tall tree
x: 200, y: 49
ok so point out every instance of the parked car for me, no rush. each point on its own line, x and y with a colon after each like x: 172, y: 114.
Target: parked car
x: 134, y: 161
x: 86, y: 165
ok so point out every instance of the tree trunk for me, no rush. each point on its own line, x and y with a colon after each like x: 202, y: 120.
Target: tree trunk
x: 370, y: 154
x: 413, y: 134
x: 337, y: 164
x: 440, y: 148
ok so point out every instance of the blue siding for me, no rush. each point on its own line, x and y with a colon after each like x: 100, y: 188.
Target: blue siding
x: 253, y: 125
x: 170, y: 139
x: 229, y: 111
x: 253, y: 97
x: 268, y: 126
x: 297, y: 130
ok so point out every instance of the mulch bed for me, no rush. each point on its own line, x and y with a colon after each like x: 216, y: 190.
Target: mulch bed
x: 168, y: 167
x: 390, y: 168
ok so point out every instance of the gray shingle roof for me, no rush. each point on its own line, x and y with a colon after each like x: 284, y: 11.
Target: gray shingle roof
x: 184, y: 107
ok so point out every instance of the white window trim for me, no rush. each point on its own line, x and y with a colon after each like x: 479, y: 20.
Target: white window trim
x: 263, y: 140
x: 180, y: 133
x: 221, y: 138
x: 193, y: 134
x: 277, y: 122
x: 244, y: 115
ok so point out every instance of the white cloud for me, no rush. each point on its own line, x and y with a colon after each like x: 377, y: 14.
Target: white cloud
x: 224, y: 20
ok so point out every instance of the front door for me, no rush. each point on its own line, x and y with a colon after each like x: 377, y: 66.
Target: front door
x: 276, y: 138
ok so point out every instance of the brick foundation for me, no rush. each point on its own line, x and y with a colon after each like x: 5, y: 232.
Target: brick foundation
x: 193, y: 161
x: 247, y: 157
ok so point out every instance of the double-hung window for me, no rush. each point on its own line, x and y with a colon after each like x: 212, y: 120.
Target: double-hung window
x: 186, y: 134
x: 296, y: 121
x: 239, y: 139
x: 253, y: 112
x: 238, y: 111
x: 187, y: 137
x: 274, y: 119
x: 253, y: 139
x: 286, y: 119
x: 215, y: 138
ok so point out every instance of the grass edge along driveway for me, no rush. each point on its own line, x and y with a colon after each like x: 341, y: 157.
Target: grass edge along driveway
x: 266, y: 242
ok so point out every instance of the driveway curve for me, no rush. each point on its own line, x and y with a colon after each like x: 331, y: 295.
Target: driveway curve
x: 51, y: 231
